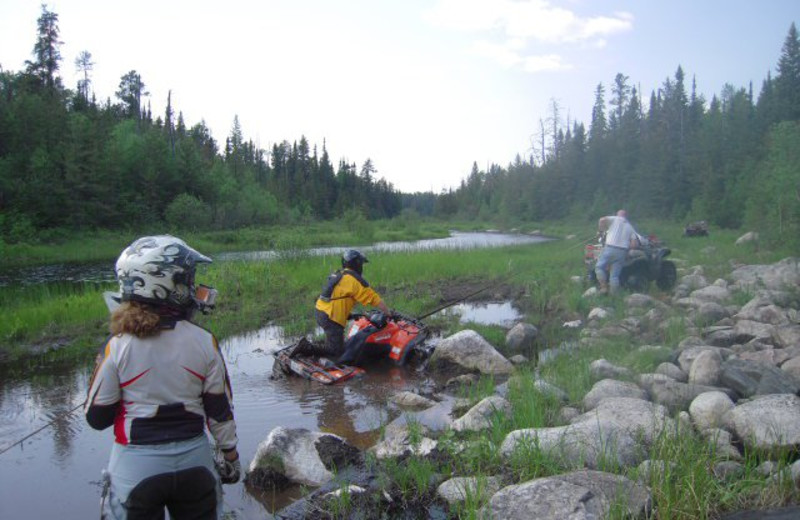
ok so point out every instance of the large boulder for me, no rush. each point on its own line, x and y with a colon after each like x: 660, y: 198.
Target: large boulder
x: 411, y: 400
x: 480, y: 416
x: 706, y: 368
x: 746, y: 330
x: 750, y: 236
x: 607, y: 388
x: 767, y: 422
x: 637, y: 417
x: 749, y: 378
x: 587, y: 443
x: 467, y: 351
x: 778, y: 276
x: 708, y: 409
x: 578, y: 495
x: 521, y: 337
x: 300, y: 456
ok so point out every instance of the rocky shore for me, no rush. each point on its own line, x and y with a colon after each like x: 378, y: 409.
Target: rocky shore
x: 731, y: 379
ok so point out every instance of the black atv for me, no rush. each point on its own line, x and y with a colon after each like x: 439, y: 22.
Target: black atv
x: 643, y: 265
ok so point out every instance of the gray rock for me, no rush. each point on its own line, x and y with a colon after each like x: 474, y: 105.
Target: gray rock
x: 611, y: 388
x: 602, y: 369
x: 674, y: 395
x: 708, y: 409
x: 720, y: 336
x: 721, y: 444
x: 750, y: 236
x: 551, y: 390
x: 567, y: 413
x: 638, y: 417
x: 580, y: 495
x: 778, y: 276
x: 614, y: 489
x: 767, y: 422
x: 301, y: 456
x: 462, y: 380
x: 545, y: 499
x: 767, y: 468
x: 480, y: 416
x: 706, y: 368
x: 787, y: 336
x: 711, y: 312
x: 467, y: 351
x: 457, y: 489
x: 694, y: 281
x: 518, y: 359
x: 521, y: 337
x: 749, y: 378
x: 584, y: 444
x: 712, y: 293
x: 761, y: 310
x: 397, y: 442
x: 746, y: 330
x: 792, y: 367
x: 770, y: 356
x: 598, y: 313
x: 687, y: 356
x: 673, y: 371
x: 412, y: 400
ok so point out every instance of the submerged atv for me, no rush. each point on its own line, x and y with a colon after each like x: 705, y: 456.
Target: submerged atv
x: 397, y: 339
x: 643, y: 265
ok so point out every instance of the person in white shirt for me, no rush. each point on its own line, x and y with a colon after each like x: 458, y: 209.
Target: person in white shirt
x: 161, y: 381
x: 620, y: 237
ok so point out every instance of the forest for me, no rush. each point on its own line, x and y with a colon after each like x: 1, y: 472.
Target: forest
x: 70, y: 162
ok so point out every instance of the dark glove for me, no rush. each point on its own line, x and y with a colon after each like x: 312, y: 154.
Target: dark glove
x: 229, y: 470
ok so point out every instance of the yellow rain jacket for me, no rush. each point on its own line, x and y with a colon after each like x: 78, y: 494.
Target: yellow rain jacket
x: 343, y: 289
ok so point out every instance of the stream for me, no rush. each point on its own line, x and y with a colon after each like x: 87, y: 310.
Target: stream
x: 56, y: 473
x: 104, y: 271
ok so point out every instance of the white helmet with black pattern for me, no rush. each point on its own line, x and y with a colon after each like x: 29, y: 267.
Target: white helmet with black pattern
x: 159, y: 270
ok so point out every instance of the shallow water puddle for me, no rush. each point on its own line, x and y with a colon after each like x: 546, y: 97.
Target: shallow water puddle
x: 491, y: 313
x: 64, y: 460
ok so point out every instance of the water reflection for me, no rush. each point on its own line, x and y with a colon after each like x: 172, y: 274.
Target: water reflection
x: 66, y: 458
x: 493, y: 313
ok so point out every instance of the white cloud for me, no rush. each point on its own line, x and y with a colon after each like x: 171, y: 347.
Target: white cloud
x: 524, y: 21
x: 545, y: 62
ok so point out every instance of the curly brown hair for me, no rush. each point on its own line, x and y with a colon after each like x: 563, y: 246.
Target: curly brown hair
x: 135, y: 318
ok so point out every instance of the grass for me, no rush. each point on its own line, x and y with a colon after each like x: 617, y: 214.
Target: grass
x: 255, y: 293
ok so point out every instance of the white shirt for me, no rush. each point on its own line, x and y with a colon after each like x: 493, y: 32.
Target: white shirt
x: 620, y: 232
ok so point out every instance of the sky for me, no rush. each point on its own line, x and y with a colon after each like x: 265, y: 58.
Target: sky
x: 423, y: 88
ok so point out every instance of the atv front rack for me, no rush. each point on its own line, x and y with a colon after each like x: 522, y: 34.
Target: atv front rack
x: 315, y: 368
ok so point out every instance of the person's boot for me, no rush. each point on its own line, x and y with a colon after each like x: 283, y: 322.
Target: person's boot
x: 603, y: 289
x: 302, y: 348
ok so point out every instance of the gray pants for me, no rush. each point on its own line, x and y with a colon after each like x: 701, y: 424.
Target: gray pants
x: 144, y: 479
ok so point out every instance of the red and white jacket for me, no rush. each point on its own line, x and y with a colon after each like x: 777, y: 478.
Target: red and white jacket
x: 163, y: 388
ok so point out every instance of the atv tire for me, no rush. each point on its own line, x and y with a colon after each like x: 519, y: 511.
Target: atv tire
x: 635, y: 278
x: 668, y: 276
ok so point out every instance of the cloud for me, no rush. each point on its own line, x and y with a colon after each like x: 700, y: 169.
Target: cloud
x: 507, y: 55
x: 519, y: 22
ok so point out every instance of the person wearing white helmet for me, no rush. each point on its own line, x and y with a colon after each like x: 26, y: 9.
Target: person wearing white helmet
x: 160, y: 380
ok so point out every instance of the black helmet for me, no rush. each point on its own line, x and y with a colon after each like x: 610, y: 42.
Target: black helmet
x: 354, y: 260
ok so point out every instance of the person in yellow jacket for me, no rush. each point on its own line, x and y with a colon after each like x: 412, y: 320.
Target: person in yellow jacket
x: 343, y: 289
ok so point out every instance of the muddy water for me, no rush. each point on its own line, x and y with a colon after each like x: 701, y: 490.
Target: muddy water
x: 56, y: 473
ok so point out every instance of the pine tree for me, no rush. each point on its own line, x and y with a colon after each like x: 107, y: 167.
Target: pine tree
x: 47, y: 50
x: 787, y: 81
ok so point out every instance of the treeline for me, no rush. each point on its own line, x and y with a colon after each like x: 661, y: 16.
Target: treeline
x: 733, y: 160
x: 68, y: 161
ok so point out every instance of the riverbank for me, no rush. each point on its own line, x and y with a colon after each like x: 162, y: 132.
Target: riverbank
x: 66, y: 247
x: 663, y: 405
x: 62, y: 320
